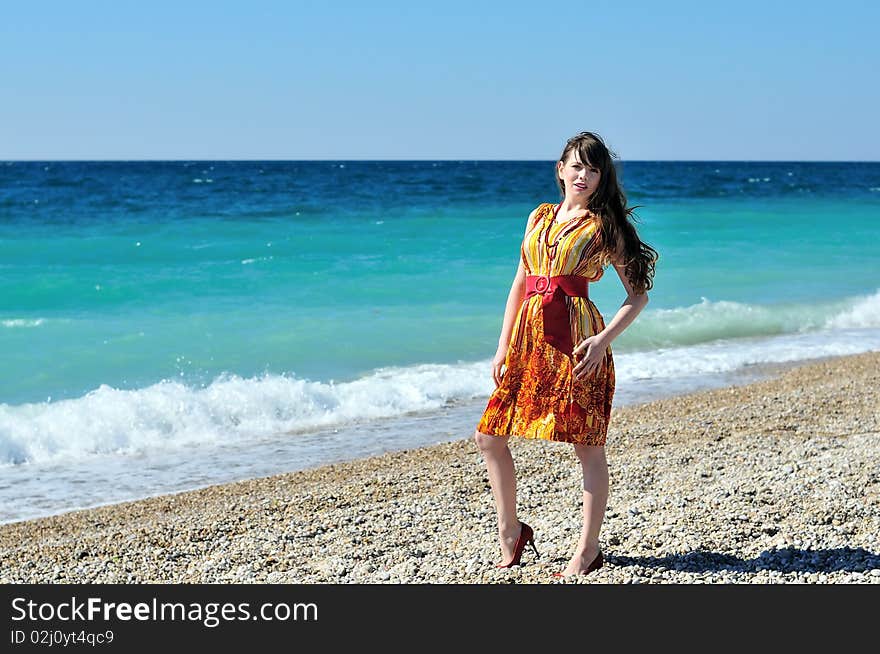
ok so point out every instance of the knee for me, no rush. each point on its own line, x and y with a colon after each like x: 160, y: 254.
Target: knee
x: 590, y: 455
x: 488, y: 443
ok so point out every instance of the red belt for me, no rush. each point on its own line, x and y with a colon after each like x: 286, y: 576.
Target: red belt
x: 557, y: 326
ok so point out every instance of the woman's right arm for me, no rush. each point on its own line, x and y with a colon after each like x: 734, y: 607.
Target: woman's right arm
x: 514, y: 300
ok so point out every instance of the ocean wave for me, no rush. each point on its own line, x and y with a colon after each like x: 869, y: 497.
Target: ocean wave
x: 863, y: 312
x: 730, y: 355
x: 170, y: 415
x: 710, y: 321
x: 701, y: 340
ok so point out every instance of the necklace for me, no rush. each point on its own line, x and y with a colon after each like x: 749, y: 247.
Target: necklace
x: 551, y: 247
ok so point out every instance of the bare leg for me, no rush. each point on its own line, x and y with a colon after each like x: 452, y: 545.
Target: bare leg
x: 595, y: 470
x: 502, y: 478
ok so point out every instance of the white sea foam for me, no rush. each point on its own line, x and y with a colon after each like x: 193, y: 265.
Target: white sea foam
x: 709, y: 321
x: 21, y: 322
x: 864, y: 312
x: 665, y: 351
x: 729, y: 355
x: 169, y: 415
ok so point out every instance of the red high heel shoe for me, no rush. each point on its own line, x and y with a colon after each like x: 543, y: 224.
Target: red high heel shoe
x: 595, y: 565
x: 526, y: 537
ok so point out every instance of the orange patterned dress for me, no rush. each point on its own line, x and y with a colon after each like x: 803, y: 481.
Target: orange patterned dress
x: 539, y: 397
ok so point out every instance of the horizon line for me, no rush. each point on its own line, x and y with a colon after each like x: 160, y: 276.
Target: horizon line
x: 456, y: 159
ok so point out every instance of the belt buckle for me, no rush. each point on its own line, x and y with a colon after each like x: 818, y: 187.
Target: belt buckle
x: 542, y: 283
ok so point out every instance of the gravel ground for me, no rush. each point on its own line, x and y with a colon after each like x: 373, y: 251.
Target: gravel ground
x: 773, y: 482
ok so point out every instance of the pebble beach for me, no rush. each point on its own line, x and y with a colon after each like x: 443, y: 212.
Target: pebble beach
x: 776, y: 481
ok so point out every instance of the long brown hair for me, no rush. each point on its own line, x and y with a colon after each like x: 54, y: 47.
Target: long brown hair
x: 620, y: 240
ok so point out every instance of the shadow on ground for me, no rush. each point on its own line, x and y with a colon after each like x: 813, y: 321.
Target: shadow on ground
x: 787, y: 559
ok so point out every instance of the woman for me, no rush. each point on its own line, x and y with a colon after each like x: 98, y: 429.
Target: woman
x: 558, y: 382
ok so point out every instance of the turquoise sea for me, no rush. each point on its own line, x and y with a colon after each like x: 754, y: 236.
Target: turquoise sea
x: 168, y: 325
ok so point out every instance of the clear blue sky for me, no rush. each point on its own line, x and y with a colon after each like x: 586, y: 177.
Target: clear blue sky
x: 153, y: 79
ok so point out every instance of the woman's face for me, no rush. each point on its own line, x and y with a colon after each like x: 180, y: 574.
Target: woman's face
x: 580, y: 179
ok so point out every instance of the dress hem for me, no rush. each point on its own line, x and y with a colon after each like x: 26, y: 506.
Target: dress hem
x: 586, y: 441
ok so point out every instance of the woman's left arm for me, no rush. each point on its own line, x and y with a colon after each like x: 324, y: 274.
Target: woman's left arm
x: 594, y: 346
